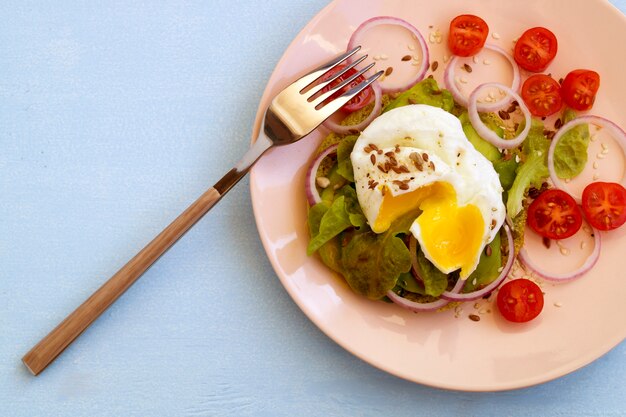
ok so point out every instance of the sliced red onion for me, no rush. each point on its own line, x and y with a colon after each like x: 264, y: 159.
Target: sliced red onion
x: 449, y: 78
x: 488, y: 134
x: 355, y: 40
x: 475, y: 295
x: 618, y: 134
x: 347, y: 129
x: 312, y: 195
x: 418, y: 307
x: 415, y: 270
x: 565, y: 276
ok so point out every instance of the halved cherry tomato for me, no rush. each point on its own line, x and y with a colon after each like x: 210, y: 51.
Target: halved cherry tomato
x: 542, y: 95
x: 579, y: 88
x: 467, y: 35
x: 520, y: 300
x: 360, y: 100
x: 555, y: 215
x: 535, y: 49
x: 604, y: 205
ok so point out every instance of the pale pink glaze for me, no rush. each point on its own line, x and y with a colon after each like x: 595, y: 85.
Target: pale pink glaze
x: 438, y: 349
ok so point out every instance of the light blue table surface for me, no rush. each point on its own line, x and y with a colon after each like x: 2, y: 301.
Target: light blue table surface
x: 113, y: 117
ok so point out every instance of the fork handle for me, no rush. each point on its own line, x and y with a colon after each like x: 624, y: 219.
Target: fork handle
x: 48, y: 348
x: 44, y: 352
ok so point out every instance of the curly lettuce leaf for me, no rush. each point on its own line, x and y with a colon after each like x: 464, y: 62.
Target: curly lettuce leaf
x: 373, y: 262
x: 425, y: 92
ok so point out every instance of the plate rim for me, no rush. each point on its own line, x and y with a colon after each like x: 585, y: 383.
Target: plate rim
x: 542, y: 378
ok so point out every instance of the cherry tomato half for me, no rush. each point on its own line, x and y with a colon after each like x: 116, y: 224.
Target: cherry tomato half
x: 555, y: 215
x: 520, y: 300
x: 467, y: 35
x: 542, y: 95
x: 360, y: 100
x: 535, y: 49
x: 604, y: 205
x: 579, y: 88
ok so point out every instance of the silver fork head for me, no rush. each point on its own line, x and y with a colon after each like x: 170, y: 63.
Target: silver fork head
x: 301, y: 107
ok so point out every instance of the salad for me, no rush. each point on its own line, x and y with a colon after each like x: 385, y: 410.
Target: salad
x: 423, y: 194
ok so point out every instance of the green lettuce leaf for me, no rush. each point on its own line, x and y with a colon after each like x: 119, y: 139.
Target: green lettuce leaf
x: 570, y: 153
x: 425, y: 92
x: 344, y: 163
x: 373, y: 262
x: 487, y: 149
x: 533, y: 170
x: 487, y: 269
x: 352, y: 206
x: 333, y: 221
x: 435, y: 281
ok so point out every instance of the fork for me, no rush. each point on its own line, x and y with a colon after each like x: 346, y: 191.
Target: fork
x: 294, y: 113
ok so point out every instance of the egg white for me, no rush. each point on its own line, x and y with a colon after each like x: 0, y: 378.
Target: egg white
x: 435, y: 135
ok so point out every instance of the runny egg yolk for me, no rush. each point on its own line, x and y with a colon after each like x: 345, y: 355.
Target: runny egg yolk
x: 451, y: 236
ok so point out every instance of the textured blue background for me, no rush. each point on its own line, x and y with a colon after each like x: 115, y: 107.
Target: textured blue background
x: 115, y: 116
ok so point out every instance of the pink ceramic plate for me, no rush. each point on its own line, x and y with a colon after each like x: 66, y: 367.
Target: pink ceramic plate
x: 581, y: 321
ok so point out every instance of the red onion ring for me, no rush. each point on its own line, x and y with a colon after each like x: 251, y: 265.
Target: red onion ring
x: 347, y: 129
x: 418, y: 307
x: 488, y: 134
x: 355, y: 40
x: 618, y: 134
x: 475, y: 295
x: 312, y: 196
x: 413, y: 252
x: 566, y: 276
x: 450, y: 82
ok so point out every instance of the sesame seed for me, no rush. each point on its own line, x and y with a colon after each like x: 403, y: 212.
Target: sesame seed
x: 564, y: 251
x: 464, y: 80
x: 376, y: 57
x: 500, y: 269
x: 431, y: 37
x: 583, y: 244
x: 483, y: 311
x: 411, y: 47
x: 384, y: 57
x: 595, y: 177
x: 558, y: 304
x: 495, y: 35
x: 475, y: 59
x: 605, y: 151
x: 322, y: 182
x: 486, y: 62
x: 592, y: 138
x: 595, y: 164
x: 446, y: 58
x: 415, y: 63
x: 514, y: 40
x: 601, y: 155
